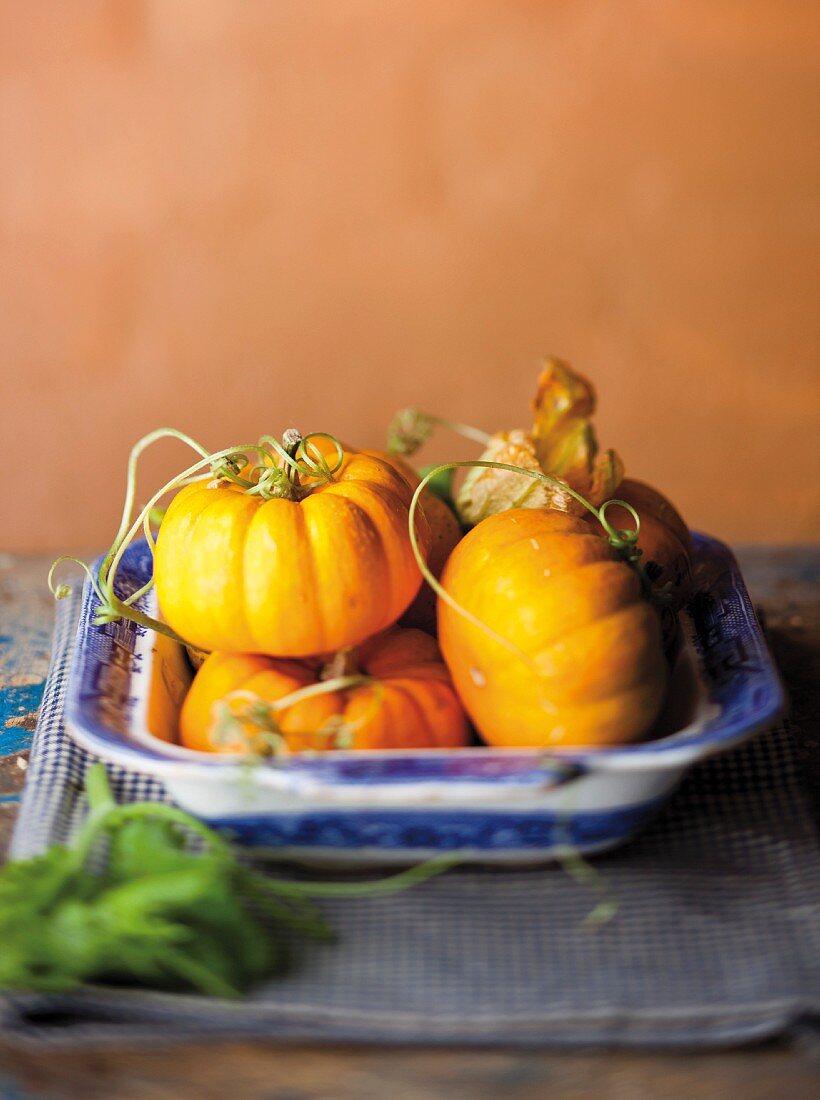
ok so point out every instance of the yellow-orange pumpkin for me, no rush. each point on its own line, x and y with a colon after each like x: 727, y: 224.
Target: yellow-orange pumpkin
x: 594, y: 672
x: 290, y: 578
x: 413, y: 707
x: 445, y: 533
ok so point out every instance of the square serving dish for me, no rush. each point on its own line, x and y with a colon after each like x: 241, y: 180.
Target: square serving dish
x: 496, y: 805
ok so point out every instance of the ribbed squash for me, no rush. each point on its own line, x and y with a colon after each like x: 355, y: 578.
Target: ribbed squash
x: 412, y: 706
x: 289, y: 577
x: 593, y: 671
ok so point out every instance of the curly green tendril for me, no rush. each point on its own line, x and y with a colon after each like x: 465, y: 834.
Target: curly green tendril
x: 290, y: 470
x: 244, y: 716
x: 624, y: 541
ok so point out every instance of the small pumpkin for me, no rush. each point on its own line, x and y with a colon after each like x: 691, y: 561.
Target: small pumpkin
x: 445, y: 533
x: 664, y: 538
x: 587, y: 666
x: 305, y: 573
x: 410, y: 705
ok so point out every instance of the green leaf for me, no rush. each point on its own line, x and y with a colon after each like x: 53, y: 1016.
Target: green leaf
x: 145, y: 847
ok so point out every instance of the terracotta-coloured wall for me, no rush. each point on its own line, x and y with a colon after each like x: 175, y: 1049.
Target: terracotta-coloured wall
x: 233, y: 217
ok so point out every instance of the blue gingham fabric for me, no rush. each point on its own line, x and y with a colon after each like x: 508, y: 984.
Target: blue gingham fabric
x: 52, y: 799
x: 716, y: 938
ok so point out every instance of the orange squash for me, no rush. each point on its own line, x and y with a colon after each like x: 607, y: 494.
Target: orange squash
x: 289, y: 577
x: 664, y: 537
x: 445, y: 533
x: 588, y: 667
x: 412, y: 705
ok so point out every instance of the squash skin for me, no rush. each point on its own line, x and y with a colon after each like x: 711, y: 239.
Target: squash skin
x: 547, y: 583
x: 664, y: 537
x: 237, y: 573
x: 419, y: 708
x: 445, y: 534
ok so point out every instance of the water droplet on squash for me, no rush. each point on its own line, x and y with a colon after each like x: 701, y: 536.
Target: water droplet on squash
x: 536, y: 545
x: 478, y: 677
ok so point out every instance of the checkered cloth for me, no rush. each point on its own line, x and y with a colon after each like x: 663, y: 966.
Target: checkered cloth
x: 716, y: 939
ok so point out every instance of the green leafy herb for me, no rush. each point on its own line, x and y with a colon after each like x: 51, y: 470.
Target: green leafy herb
x: 159, y: 911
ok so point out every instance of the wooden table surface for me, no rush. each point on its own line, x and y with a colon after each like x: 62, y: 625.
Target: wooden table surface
x: 785, y: 584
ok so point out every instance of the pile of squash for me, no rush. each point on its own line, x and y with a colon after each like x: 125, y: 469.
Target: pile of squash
x: 321, y: 632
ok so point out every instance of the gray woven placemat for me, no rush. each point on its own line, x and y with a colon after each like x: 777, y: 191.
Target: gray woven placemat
x: 716, y: 938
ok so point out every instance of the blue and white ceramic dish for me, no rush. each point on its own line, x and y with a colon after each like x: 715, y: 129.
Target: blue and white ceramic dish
x: 386, y: 807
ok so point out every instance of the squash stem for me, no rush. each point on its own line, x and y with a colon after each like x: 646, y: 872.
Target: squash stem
x: 344, y: 662
x: 292, y: 441
x: 410, y: 428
